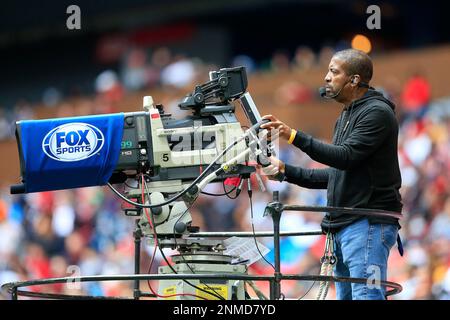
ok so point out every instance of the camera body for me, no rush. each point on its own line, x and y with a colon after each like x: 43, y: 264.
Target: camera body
x: 75, y: 152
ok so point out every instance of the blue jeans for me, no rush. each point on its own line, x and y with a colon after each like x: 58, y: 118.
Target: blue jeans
x: 362, y: 251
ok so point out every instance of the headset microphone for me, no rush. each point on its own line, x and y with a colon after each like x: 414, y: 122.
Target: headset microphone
x: 323, y: 90
x: 323, y: 93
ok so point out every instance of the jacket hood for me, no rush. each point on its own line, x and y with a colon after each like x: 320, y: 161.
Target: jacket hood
x: 372, y: 94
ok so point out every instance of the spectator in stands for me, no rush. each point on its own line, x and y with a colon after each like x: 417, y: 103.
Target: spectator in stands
x: 244, y: 61
x: 135, y: 73
x: 415, y: 97
x: 325, y: 54
x: 304, y: 58
x: 160, y: 58
x: 23, y: 110
x: 109, y: 91
x: 51, y: 97
x: 280, y: 61
x: 180, y: 73
x: 293, y: 92
x: 5, y: 128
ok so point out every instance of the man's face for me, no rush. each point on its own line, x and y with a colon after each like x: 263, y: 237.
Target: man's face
x: 336, y: 79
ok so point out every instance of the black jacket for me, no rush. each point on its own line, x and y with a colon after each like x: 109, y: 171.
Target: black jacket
x: 364, y: 170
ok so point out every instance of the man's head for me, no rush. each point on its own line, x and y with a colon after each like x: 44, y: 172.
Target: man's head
x: 347, y: 71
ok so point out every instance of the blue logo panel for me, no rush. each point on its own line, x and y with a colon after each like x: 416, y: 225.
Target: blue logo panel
x: 70, y: 153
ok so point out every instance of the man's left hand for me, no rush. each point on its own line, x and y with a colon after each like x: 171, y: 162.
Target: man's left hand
x: 275, y: 167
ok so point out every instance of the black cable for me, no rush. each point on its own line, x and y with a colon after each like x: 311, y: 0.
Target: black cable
x: 187, y: 264
x: 156, y: 240
x: 139, y: 205
x: 186, y: 281
x: 307, y: 291
x: 131, y: 187
x: 219, y: 194
x: 227, y: 193
x: 249, y: 191
x: 165, y: 258
x: 162, y: 253
x: 174, y: 271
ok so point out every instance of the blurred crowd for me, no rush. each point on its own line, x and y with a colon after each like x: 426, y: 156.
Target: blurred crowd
x: 143, y: 69
x: 85, y: 232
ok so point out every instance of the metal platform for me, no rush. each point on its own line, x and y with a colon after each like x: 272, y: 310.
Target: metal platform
x: 15, y: 290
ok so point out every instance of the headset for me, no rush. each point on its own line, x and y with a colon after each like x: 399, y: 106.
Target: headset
x: 352, y: 79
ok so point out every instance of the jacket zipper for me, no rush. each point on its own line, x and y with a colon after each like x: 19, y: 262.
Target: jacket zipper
x: 340, y: 137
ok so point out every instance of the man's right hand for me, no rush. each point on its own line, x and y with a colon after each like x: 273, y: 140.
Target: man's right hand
x: 284, y: 131
x: 275, y: 167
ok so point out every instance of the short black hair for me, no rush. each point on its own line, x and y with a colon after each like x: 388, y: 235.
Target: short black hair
x: 356, y: 62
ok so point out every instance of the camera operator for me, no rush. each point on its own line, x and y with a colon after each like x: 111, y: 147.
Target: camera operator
x: 363, y: 172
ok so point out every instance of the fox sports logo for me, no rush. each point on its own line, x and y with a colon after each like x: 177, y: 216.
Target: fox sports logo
x: 73, y: 142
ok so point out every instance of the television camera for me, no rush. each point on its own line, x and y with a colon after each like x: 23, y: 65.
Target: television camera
x: 169, y: 160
